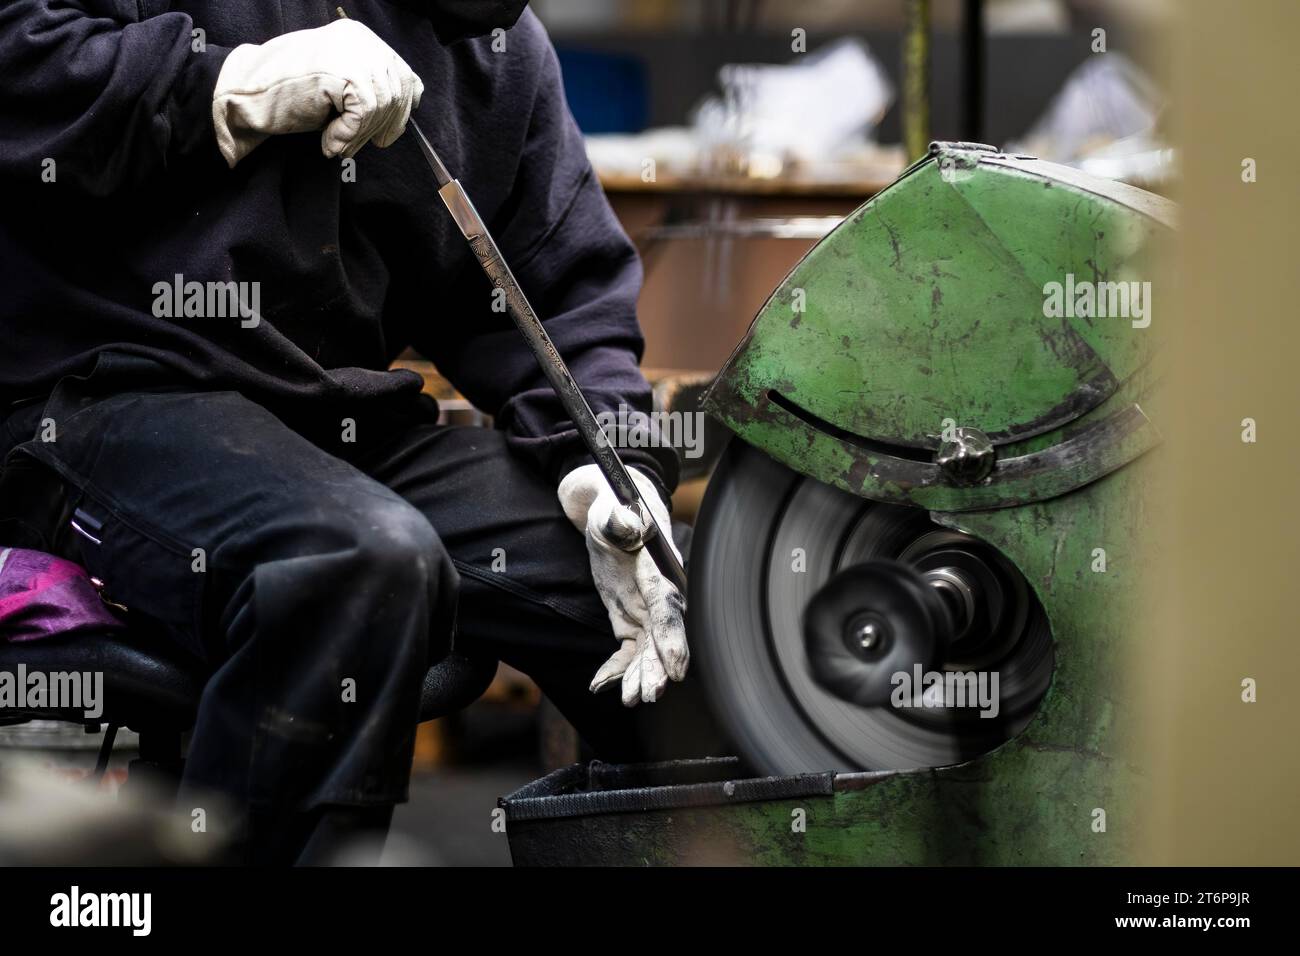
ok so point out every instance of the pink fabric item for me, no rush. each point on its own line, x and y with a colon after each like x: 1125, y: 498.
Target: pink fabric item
x: 44, y: 596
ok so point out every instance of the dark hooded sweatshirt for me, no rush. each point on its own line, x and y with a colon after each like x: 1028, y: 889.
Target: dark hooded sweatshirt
x: 112, y: 183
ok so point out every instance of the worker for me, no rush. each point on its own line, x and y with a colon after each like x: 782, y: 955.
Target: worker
x: 215, y: 241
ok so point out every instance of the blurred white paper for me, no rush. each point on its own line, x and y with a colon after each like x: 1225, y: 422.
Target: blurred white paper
x: 822, y: 104
x: 1104, y: 120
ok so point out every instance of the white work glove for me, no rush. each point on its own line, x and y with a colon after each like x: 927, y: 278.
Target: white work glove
x: 644, y: 607
x: 299, y: 81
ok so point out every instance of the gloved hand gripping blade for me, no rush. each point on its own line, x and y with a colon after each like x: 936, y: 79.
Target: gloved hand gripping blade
x: 557, y: 372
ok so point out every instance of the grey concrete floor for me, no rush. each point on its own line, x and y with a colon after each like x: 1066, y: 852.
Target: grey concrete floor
x: 448, y: 821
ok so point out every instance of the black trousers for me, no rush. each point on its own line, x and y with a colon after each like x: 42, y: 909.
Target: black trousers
x: 317, y: 565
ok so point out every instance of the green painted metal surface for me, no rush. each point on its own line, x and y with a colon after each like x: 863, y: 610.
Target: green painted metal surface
x: 925, y: 310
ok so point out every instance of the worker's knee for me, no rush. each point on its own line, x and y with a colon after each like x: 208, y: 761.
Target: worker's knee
x: 374, y: 567
x: 394, y: 546
x: 400, y: 563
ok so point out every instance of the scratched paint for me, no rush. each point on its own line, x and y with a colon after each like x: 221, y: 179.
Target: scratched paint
x: 926, y: 306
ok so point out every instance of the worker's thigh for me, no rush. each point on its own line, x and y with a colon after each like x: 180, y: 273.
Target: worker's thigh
x: 175, y: 497
x: 526, y: 591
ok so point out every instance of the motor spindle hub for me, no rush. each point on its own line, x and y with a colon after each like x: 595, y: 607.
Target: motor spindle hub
x: 867, y: 636
x: 957, y: 592
x: 870, y: 622
x: 891, y: 617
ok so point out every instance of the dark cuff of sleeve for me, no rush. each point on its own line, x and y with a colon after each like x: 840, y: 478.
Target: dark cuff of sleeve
x: 189, y: 111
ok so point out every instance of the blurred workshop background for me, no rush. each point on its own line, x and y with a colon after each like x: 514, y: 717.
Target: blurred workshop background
x: 727, y: 152
x: 731, y: 135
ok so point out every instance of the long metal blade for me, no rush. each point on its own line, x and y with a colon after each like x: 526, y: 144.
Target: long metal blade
x: 471, y: 225
x: 435, y: 162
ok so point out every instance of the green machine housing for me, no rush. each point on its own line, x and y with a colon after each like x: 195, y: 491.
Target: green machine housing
x: 1006, y: 297
x: 925, y: 310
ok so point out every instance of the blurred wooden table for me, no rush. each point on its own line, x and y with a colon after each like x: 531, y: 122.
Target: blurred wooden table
x: 715, y: 247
